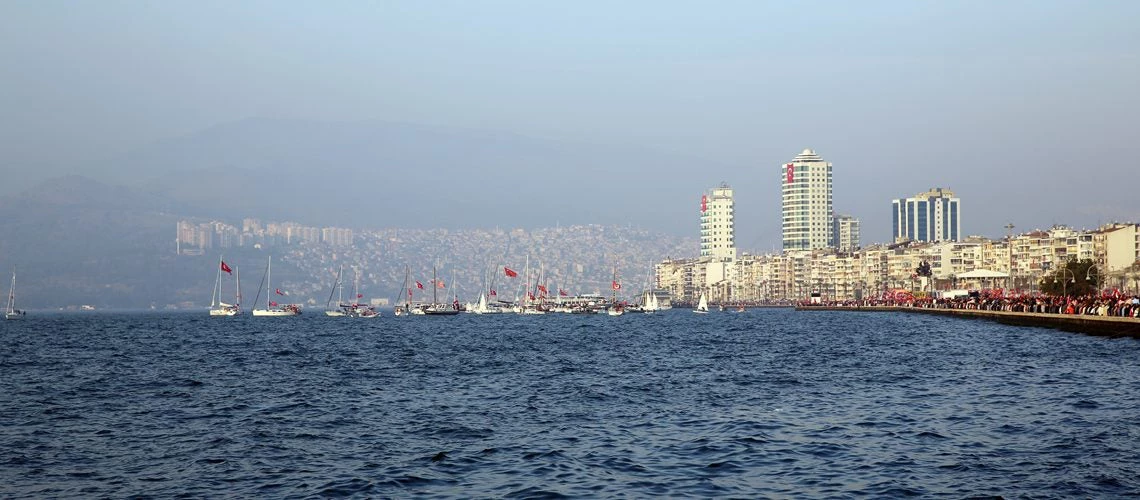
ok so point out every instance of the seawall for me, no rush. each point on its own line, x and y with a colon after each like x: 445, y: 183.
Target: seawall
x: 1107, y: 326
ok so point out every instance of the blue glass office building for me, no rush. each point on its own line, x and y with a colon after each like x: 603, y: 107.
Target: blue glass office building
x: 931, y: 216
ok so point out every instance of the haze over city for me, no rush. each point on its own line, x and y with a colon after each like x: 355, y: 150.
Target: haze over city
x: 474, y: 114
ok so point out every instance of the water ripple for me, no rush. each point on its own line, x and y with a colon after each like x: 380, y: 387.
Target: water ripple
x: 771, y: 403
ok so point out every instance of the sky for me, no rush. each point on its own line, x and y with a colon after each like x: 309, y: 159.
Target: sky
x: 1026, y: 109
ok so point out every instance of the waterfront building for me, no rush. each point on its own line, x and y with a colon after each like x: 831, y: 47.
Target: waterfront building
x: 718, y: 226
x: 846, y: 237
x: 931, y: 216
x: 807, y: 203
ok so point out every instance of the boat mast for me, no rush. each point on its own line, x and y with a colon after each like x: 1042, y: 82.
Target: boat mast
x: 259, y: 285
x: 237, y: 287
x: 215, y: 295
x: 434, y: 287
x: 336, y: 281
x: 268, y: 281
x: 12, y: 293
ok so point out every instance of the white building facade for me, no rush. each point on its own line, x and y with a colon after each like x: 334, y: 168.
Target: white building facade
x: 718, y: 226
x: 807, y: 215
x: 846, y: 233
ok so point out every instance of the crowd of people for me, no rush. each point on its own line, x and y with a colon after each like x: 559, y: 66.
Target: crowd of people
x: 1115, y: 304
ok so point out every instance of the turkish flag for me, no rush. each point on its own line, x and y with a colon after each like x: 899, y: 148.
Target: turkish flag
x: 541, y: 288
x: 226, y: 268
x: 272, y: 304
x: 419, y: 285
x: 439, y: 284
x: 617, y: 286
x: 510, y: 272
x: 493, y: 292
x: 359, y: 295
x: 561, y: 292
x: 279, y: 292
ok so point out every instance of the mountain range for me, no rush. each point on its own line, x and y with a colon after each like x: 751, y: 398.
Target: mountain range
x: 369, y: 174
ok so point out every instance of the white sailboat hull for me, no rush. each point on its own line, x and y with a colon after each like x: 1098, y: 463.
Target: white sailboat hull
x: 13, y: 315
x: 223, y: 312
x: 274, y: 312
x: 335, y: 314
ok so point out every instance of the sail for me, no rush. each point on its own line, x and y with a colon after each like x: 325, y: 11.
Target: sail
x: 703, y: 305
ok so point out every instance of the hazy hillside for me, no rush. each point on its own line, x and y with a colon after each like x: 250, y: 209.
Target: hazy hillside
x: 372, y: 174
x: 76, y: 241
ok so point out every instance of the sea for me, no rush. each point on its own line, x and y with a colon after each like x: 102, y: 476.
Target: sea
x: 758, y: 404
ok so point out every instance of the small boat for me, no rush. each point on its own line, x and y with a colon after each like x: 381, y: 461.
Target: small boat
x: 217, y: 307
x: 615, y: 309
x: 702, y: 305
x: 337, y: 287
x: 11, y: 312
x: 273, y: 308
x: 357, y: 309
x: 437, y: 309
x: 739, y: 309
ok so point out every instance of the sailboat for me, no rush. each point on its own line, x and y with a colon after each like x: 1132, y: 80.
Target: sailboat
x: 615, y: 309
x: 337, y: 287
x: 11, y: 312
x: 271, y: 307
x: 702, y: 305
x: 406, y: 308
x: 217, y: 307
x: 437, y: 309
x: 651, y: 305
x: 356, y: 309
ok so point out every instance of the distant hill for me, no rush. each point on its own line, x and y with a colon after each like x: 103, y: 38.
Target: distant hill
x: 380, y: 174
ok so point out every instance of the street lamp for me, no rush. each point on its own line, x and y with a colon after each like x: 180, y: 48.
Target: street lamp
x: 1065, y: 283
x: 1090, y: 276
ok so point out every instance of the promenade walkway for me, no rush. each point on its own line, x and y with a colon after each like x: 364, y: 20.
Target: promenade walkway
x: 1109, y: 326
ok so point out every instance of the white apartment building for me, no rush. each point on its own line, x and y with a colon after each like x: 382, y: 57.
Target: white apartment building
x: 718, y: 226
x: 807, y: 203
x: 846, y: 237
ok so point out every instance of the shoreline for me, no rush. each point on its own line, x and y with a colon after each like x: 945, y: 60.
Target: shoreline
x: 1101, y: 326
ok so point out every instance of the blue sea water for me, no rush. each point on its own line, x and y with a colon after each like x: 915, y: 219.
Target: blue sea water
x: 766, y: 403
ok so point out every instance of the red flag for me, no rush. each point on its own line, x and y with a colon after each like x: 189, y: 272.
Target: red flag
x: 791, y: 174
x: 272, y: 304
x: 510, y: 272
x: 529, y: 295
x: 409, y: 292
x: 279, y: 292
x: 493, y: 292
x: 542, y: 289
x: 616, y: 286
x: 226, y: 268
x: 359, y: 295
x: 561, y: 292
x: 419, y: 285
x: 439, y: 284
x: 704, y: 203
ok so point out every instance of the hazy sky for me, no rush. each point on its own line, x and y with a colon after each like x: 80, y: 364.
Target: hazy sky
x: 1028, y: 110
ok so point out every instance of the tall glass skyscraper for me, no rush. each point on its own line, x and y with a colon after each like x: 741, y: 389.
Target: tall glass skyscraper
x: 931, y: 216
x: 808, y: 212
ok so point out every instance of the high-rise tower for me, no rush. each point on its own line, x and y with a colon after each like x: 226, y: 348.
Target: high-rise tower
x: 929, y: 216
x: 807, y: 203
x: 718, y: 226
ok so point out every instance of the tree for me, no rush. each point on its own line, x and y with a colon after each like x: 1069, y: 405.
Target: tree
x: 1073, y: 279
x: 923, y: 270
